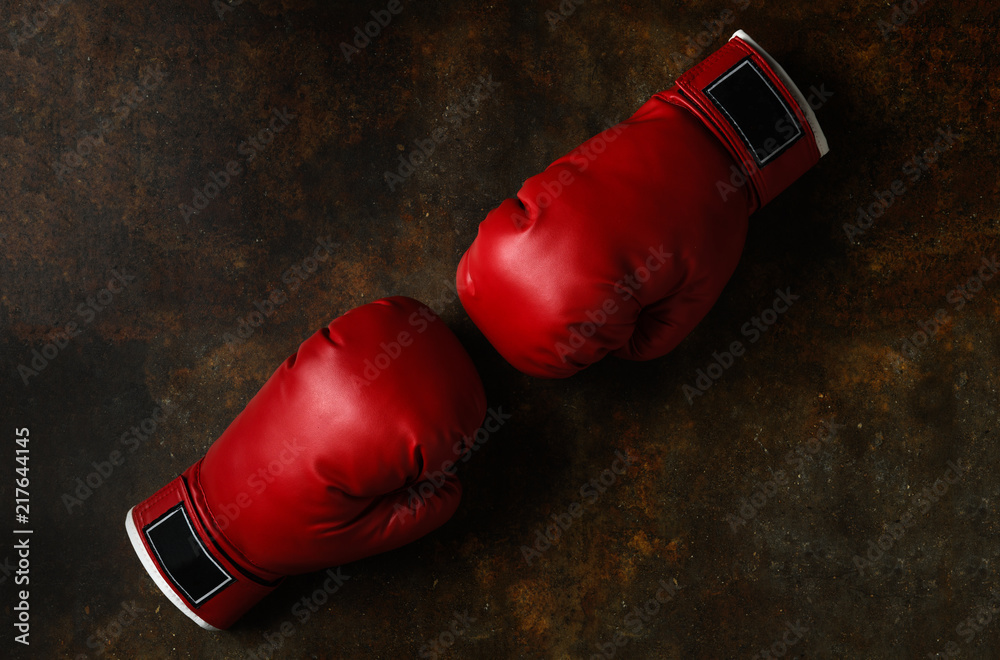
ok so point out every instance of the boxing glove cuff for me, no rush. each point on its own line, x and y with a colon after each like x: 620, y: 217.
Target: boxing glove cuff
x: 751, y: 105
x: 183, y: 547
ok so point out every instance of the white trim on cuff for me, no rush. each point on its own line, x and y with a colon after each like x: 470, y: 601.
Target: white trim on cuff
x: 147, y: 563
x: 821, y: 143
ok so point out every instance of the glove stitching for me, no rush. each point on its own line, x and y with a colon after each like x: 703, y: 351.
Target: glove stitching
x: 757, y: 177
x: 196, y: 477
x: 148, y: 504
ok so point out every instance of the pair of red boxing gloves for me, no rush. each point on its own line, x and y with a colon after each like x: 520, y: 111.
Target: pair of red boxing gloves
x: 621, y: 246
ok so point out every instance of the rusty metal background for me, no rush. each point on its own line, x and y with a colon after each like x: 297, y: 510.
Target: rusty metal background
x: 763, y: 532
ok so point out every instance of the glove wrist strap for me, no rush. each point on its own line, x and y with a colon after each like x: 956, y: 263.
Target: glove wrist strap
x: 749, y: 102
x: 190, y: 561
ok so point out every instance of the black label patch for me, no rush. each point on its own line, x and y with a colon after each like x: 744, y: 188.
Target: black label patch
x: 756, y: 110
x: 184, y: 558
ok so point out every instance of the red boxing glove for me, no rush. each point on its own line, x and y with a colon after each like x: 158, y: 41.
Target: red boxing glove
x: 320, y: 467
x: 624, y: 244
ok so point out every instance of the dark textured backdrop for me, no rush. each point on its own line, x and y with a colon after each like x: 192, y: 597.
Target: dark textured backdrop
x: 112, y: 115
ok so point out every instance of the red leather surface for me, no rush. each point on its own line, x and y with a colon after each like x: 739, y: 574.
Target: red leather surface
x: 528, y: 284
x: 310, y: 472
x: 545, y: 279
